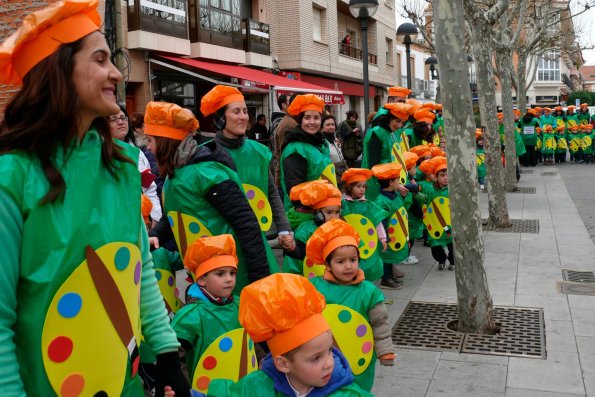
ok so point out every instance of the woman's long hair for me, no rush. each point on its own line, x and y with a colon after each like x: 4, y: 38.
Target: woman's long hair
x: 383, y: 121
x: 42, y: 118
x: 166, y: 151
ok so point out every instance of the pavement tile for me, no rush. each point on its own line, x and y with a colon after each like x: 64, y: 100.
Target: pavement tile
x: 584, y: 322
x: 554, y: 307
x: 586, y: 345
x: 510, y: 392
x: 474, y: 358
x: 590, y: 384
x: 456, y: 374
x: 559, y: 336
x: 389, y: 383
x: 587, y: 363
x: 418, y: 364
x: 452, y: 388
x: 560, y: 373
x: 581, y: 301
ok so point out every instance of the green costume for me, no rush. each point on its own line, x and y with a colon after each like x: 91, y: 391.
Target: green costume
x: 480, y: 161
x: 414, y: 213
x: 302, y: 233
x: 396, y: 225
x: 364, y: 216
x: 501, y: 133
x: 560, y: 134
x: 360, y: 297
x: 548, y: 140
x: 584, y: 118
x: 71, y: 268
x: 528, y: 132
x: 437, y: 217
x: 588, y: 142
x: 519, y: 145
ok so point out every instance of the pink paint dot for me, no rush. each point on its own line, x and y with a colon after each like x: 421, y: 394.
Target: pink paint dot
x: 311, y: 275
x: 366, y: 347
x: 372, y: 244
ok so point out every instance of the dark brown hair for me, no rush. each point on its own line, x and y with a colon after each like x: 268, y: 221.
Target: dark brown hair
x: 137, y: 120
x: 166, y: 150
x: 41, y: 118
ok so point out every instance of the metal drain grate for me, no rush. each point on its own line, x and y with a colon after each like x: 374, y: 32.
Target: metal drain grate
x: 518, y: 226
x: 526, y: 190
x: 548, y: 173
x: 423, y: 325
x: 526, y: 171
x: 580, y: 276
x: 572, y: 288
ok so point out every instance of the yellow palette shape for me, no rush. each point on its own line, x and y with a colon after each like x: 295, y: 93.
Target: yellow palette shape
x: 480, y: 158
x: 587, y: 141
x: 560, y: 123
x: 329, y: 174
x: 231, y: 356
x: 398, y: 229
x: 82, y: 352
x: 404, y: 142
x: 562, y: 143
x: 538, y: 144
x: 550, y: 143
x: 311, y: 269
x: 167, y: 285
x: 575, y: 144
x: 571, y: 123
x: 437, y: 217
x: 396, y: 156
x: 367, y: 234
x: 352, y: 334
x: 186, y: 230
x: 260, y: 205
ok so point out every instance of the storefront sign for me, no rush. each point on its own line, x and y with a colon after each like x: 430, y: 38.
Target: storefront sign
x: 546, y: 98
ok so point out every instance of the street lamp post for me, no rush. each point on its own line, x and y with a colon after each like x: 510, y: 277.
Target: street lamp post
x: 362, y: 10
x: 406, y: 34
x: 433, y: 61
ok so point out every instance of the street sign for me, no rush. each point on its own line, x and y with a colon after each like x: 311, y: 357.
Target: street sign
x: 577, y: 103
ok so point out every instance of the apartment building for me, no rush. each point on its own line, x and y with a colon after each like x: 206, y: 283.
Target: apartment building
x: 588, y: 73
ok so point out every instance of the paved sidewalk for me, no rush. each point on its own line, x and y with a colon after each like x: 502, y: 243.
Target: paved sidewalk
x: 522, y: 270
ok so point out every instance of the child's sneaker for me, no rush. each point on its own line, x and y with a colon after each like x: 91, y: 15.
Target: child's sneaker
x: 451, y: 266
x: 411, y: 260
x: 441, y: 266
x: 389, y: 283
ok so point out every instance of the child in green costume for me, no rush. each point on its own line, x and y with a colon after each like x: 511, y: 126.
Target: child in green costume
x: 571, y: 121
x: 414, y: 212
x: 560, y: 131
x: 548, y: 138
x: 480, y: 158
x: 392, y: 200
x: 335, y: 244
x: 323, y: 200
x: 366, y: 217
x: 588, y: 138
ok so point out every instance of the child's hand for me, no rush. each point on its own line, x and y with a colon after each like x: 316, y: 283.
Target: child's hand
x: 388, y: 359
x: 386, y: 363
x: 403, y: 190
x: 169, y: 392
x: 384, y: 245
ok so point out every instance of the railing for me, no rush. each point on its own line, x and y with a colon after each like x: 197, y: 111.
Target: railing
x: 256, y: 36
x: 167, y: 17
x: 356, y: 53
x: 215, y: 26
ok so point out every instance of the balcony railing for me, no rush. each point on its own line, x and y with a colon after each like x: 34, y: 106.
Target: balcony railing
x: 167, y: 17
x: 256, y: 36
x: 356, y: 53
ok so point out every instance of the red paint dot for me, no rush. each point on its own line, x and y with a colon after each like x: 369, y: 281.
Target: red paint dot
x: 202, y: 383
x: 309, y: 263
x: 391, y: 230
x: 72, y: 386
x: 430, y: 227
x: 260, y: 204
x: 209, y: 363
x: 60, y: 349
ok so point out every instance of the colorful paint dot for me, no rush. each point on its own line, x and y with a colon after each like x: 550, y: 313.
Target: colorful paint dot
x: 250, y: 344
x: 391, y: 230
x: 171, y: 221
x: 250, y: 194
x: 372, y: 244
x: 225, y: 344
x: 100, y: 394
x: 202, y: 383
x: 398, y: 245
x: 364, y: 221
x: 361, y: 362
x: 344, y: 316
x: 366, y: 252
x: 264, y: 220
x: 70, y: 305
x: 437, y: 233
x: 137, y: 269
x: 260, y: 204
x: 122, y: 258
x: 253, y: 361
x: 430, y: 227
x: 333, y: 170
x: 60, y: 349
x: 158, y: 274
x: 170, y: 281
x: 194, y: 227
x: 309, y: 263
x: 361, y: 330
x: 366, y: 347
x: 73, y: 385
x: 429, y: 210
x: 209, y: 363
x: 311, y: 275
x: 441, y: 200
x: 370, y: 232
x: 393, y: 221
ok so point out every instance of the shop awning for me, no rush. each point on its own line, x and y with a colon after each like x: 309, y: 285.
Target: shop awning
x: 262, y: 79
x: 347, y: 87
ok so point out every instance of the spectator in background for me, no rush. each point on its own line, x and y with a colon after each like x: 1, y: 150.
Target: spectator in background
x: 346, y: 44
x: 259, y: 131
x: 352, y: 137
x: 288, y: 122
x: 329, y: 130
x: 137, y: 125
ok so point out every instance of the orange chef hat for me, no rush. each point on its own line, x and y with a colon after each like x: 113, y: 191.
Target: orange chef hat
x: 301, y: 103
x: 169, y: 120
x: 533, y: 111
x: 219, y: 96
x: 415, y: 103
x: 398, y: 91
x: 410, y: 159
x: 353, y: 175
x: 438, y: 164
x: 546, y: 109
x: 424, y: 115
x: 571, y: 107
x: 588, y: 127
x: 574, y: 128
x: 316, y: 194
x: 500, y: 115
x: 328, y: 237
x: 548, y: 128
x: 42, y: 33
x: 429, y: 105
x: 478, y: 133
x: 558, y: 108
x: 436, y: 151
x: 387, y: 171
x: 426, y: 167
x: 516, y: 112
x: 438, y: 106
x: 285, y: 310
x: 145, y: 207
x: 584, y: 105
x: 422, y: 150
x: 538, y: 130
x: 399, y: 110
x: 210, y: 253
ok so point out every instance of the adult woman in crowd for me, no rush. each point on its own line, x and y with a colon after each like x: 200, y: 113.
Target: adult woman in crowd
x: 250, y: 159
x: 75, y: 255
x: 329, y: 131
x: 352, y: 136
x: 202, y: 193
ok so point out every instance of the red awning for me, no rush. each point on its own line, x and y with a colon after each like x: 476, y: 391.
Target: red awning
x: 279, y: 83
x: 347, y: 87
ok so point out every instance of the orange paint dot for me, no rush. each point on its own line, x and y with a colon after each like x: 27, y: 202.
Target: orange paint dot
x: 72, y: 386
x: 202, y: 383
x: 260, y: 204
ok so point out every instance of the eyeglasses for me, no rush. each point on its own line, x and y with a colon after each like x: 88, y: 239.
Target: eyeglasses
x: 115, y: 119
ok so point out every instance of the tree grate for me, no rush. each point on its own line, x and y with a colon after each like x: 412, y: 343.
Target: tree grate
x: 579, y: 276
x: 574, y: 288
x: 518, y: 226
x: 424, y: 325
x: 526, y: 171
x: 549, y: 173
x: 526, y: 190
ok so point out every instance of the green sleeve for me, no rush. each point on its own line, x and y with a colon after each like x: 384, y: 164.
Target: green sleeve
x: 375, y: 294
x: 186, y: 324
x: 11, y: 230
x: 407, y: 200
x: 154, y: 320
x: 256, y: 384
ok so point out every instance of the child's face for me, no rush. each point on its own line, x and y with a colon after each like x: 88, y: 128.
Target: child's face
x: 344, y: 263
x: 394, y: 185
x: 442, y: 178
x: 359, y: 190
x: 331, y: 212
x: 480, y: 141
x: 312, y: 364
x: 219, y: 282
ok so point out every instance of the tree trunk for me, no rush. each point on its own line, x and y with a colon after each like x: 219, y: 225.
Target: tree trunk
x: 482, y: 50
x: 521, y: 93
x: 473, y: 295
x: 504, y: 63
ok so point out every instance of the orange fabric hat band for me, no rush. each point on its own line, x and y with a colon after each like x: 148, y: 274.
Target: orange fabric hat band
x: 165, y: 131
x: 227, y: 100
x: 215, y: 263
x: 328, y: 202
x: 47, y: 42
x: 356, y: 178
x: 296, y: 336
x: 336, y: 243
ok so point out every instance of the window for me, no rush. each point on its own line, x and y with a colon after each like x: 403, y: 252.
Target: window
x: 389, y: 51
x: 317, y: 24
x: 179, y: 92
x: 548, y: 67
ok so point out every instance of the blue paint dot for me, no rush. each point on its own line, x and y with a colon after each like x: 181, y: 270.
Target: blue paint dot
x: 122, y: 259
x: 344, y: 316
x: 70, y: 305
x: 250, y: 344
x: 393, y: 221
x: 225, y: 344
x: 430, y: 210
x: 194, y: 228
x: 333, y: 170
x: 171, y: 221
x: 158, y: 275
x: 441, y: 201
x: 364, y: 221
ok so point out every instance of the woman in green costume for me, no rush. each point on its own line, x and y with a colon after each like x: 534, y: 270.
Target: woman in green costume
x: 560, y: 131
x: 528, y: 125
x: 75, y: 253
